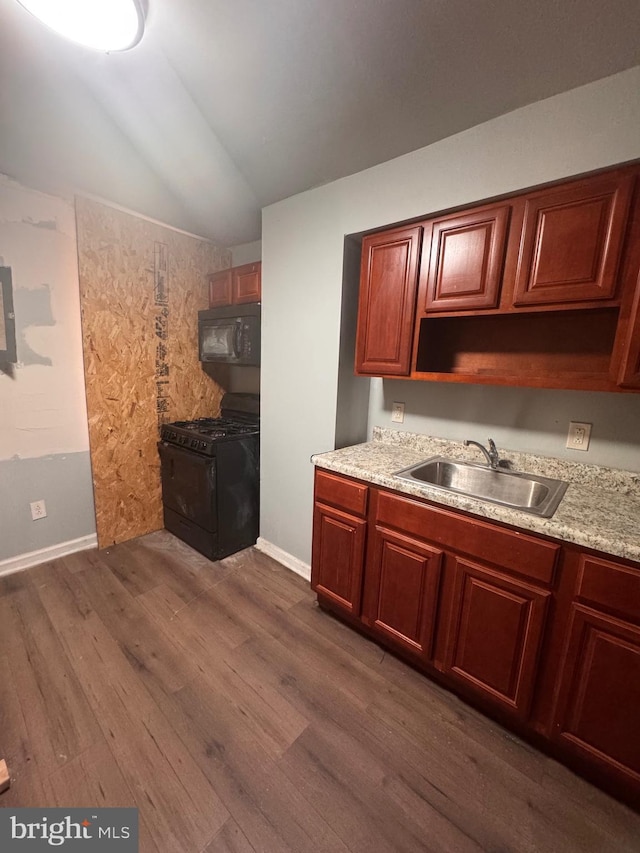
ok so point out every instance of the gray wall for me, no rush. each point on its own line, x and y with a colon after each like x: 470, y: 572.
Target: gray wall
x: 303, y: 246
x: 60, y: 481
x: 527, y: 419
x: 246, y: 253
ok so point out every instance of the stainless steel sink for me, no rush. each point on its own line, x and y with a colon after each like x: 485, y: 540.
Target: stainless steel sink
x: 526, y: 492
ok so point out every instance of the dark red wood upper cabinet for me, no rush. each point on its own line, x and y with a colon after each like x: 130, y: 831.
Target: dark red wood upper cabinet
x: 386, y: 310
x: 495, y: 632
x: 220, y: 289
x: 401, y: 595
x: 572, y: 240
x: 463, y: 260
x: 247, y: 283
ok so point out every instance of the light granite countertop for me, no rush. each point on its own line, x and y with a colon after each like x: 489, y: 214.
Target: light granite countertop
x: 600, y: 509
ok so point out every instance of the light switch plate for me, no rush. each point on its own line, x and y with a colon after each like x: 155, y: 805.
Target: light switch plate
x: 579, y: 435
x: 397, y: 413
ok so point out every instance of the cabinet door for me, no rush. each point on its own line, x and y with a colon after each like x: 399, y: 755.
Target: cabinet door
x: 401, y: 590
x: 571, y: 241
x: 337, y: 559
x: 463, y: 261
x: 599, y: 701
x: 247, y: 283
x: 494, y: 635
x: 220, y: 290
x: 386, y: 308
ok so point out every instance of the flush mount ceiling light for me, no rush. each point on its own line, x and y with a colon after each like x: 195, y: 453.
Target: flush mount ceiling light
x: 100, y: 24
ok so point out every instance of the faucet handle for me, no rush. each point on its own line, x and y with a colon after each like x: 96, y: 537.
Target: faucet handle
x: 494, y: 456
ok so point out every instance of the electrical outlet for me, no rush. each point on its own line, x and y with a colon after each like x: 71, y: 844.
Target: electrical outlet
x: 397, y: 413
x: 38, y: 510
x: 579, y: 434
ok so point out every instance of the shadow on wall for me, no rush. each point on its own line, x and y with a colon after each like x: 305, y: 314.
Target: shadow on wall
x: 32, y: 307
x: 353, y: 391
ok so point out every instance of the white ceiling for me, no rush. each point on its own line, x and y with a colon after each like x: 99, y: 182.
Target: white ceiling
x: 228, y: 105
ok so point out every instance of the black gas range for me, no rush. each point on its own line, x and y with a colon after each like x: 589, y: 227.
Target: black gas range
x: 210, y: 478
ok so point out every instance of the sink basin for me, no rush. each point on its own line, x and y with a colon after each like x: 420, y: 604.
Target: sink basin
x: 526, y: 492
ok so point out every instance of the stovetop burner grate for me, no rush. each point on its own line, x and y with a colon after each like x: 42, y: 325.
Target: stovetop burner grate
x: 215, y: 427
x: 202, y: 434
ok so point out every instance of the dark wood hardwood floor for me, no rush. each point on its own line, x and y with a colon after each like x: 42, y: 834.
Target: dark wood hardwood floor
x: 237, y: 716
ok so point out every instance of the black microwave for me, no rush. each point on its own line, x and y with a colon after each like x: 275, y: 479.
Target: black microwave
x: 230, y: 335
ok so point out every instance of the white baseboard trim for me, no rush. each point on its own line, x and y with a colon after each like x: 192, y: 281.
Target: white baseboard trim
x: 287, y: 560
x: 33, y: 558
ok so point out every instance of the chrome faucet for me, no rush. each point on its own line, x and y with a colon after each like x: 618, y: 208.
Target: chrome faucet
x: 491, y: 455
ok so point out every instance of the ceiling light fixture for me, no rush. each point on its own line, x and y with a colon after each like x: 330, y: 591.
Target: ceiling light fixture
x: 99, y: 24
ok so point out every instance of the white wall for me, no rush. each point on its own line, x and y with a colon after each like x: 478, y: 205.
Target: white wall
x: 44, y: 445
x: 302, y: 252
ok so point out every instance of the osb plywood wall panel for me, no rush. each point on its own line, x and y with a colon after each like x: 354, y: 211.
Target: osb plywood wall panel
x: 141, y: 287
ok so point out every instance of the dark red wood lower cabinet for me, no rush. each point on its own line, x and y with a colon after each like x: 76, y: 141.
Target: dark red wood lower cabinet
x: 401, y: 597
x: 495, y: 632
x: 598, y: 710
x: 337, y: 560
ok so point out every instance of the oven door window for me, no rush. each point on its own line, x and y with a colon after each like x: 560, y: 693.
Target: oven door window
x: 220, y: 340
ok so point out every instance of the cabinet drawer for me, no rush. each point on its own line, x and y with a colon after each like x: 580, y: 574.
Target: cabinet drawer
x: 342, y: 493
x: 609, y: 585
x: 532, y: 558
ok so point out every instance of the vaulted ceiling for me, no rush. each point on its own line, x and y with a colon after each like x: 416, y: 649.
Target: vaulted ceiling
x: 228, y: 105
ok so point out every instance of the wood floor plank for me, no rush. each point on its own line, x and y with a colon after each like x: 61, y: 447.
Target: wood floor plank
x: 266, y: 804
x: 230, y: 839
x: 15, y: 747
x: 142, y: 564
x: 144, y: 644
x: 81, y: 560
x: 364, y: 817
x: 256, y: 568
x: 58, y: 718
x: 91, y: 779
x: 469, y: 788
x: 240, y: 718
x: 94, y: 780
x: 13, y: 583
x: 331, y: 711
x: 271, y: 718
x: 176, y: 801
x: 206, y: 626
